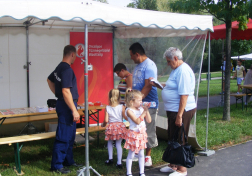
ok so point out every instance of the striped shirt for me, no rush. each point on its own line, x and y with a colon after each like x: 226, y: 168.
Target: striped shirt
x: 122, y: 86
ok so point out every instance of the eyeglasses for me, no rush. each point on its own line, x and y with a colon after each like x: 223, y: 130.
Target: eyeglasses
x: 118, y: 73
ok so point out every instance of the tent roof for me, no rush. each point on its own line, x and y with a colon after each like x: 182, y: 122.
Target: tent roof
x: 220, y: 32
x: 243, y: 57
x: 99, y: 16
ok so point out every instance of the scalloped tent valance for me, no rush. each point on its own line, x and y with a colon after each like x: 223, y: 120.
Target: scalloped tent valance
x: 100, y: 16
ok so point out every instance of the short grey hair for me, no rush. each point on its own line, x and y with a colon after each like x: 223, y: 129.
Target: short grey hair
x: 171, y: 52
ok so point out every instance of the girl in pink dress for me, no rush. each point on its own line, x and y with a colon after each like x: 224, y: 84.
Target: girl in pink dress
x: 116, y: 129
x: 136, y: 136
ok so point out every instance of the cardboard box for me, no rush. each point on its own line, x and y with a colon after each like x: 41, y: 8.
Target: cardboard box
x: 51, y: 126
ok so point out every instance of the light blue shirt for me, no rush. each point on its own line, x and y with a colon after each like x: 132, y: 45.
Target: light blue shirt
x: 180, y: 82
x: 142, y: 72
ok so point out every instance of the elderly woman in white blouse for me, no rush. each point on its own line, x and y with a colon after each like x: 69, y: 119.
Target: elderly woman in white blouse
x: 179, y: 100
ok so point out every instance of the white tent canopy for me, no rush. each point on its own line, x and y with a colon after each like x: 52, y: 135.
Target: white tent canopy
x: 100, y: 16
x: 37, y: 31
x: 243, y: 57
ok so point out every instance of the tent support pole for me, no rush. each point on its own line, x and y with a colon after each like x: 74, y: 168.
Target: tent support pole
x: 27, y: 65
x: 86, y: 101
x: 207, y: 152
x: 113, y: 55
x: 86, y: 169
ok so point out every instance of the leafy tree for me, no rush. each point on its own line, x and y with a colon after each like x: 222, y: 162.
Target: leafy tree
x: 103, y: 1
x: 226, y: 11
x: 144, y: 4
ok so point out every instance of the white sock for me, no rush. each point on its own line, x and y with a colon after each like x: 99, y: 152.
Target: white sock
x: 110, y: 149
x: 129, y: 161
x: 141, y: 159
x: 119, y: 151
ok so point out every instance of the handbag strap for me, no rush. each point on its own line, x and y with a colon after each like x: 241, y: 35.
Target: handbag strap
x: 183, y: 131
x: 175, y: 135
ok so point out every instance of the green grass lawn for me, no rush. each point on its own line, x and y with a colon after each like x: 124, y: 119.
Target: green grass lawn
x: 214, y: 88
x: 36, y: 155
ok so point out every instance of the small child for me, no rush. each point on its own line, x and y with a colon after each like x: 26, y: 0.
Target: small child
x: 116, y: 129
x: 136, y: 137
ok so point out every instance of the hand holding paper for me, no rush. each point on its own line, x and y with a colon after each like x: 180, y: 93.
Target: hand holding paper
x: 157, y: 83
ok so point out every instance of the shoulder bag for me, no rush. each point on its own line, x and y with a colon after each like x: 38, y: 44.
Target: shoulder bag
x: 178, y: 154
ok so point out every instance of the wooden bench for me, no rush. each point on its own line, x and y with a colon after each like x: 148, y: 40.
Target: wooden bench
x: 33, y: 137
x: 239, y: 97
x: 39, y: 136
x: 37, y: 116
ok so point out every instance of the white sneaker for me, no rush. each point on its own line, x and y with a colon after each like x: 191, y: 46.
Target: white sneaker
x: 166, y: 169
x: 175, y: 173
x: 148, y: 161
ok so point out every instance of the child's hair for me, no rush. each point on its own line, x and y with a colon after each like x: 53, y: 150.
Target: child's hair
x: 131, y: 95
x: 114, y: 96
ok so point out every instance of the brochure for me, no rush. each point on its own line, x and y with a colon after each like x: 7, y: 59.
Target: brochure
x: 157, y: 83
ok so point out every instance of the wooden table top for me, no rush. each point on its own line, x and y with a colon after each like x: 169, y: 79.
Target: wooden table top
x: 249, y: 86
x: 31, y: 112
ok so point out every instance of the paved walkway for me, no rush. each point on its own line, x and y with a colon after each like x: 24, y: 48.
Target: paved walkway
x: 231, y: 161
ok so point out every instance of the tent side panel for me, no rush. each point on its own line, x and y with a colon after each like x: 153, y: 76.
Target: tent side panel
x: 46, y: 52
x: 12, y: 73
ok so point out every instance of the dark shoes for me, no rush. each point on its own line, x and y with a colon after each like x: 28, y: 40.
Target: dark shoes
x: 62, y: 170
x: 108, y: 162
x: 77, y: 165
x: 119, y: 166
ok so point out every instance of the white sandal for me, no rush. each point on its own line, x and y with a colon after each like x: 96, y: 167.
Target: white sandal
x: 175, y: 173
x: 166, y: 169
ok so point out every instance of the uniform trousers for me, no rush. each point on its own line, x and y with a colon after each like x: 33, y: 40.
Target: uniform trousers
x: 65, y: 136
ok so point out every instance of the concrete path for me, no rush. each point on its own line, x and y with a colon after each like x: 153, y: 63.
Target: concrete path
x: 231, y: 161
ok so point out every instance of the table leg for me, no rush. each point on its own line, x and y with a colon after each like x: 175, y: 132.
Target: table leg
x: 2, y: 120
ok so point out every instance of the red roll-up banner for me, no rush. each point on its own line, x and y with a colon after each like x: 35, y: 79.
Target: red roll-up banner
x: 100, y: 65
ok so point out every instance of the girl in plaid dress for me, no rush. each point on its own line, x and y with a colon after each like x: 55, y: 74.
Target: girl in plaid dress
x: 116, y: 129
x: 136, y: 136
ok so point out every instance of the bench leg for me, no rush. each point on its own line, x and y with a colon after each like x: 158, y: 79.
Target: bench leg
x: 17, y: 157
x: 236, y: 101
x: 242, y: 103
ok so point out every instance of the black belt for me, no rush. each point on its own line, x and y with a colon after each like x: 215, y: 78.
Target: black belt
x: 75, y: 100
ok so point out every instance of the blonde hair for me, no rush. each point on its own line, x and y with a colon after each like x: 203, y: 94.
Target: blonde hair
x: 131, y: 95
x: 114, y: 96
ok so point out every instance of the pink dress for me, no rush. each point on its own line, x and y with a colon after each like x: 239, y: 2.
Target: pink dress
x: 136, y: 136
x: 116, y: 128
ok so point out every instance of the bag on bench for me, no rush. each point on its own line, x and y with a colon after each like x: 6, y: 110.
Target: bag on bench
x: 51, y: 103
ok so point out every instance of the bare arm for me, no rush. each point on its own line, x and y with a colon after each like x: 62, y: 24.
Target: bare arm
x: 147, y: 88
x: 105, y: 119
x: 123, y: 113
x: 69, y: 101
x: 133, y: 117
x: 234, y: 74
x: 129, y: 81
x: 182, y: 105
x: 147, y: 117
x: 51, y: 86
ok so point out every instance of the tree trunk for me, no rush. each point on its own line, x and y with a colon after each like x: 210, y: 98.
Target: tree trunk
x: 226, y: 107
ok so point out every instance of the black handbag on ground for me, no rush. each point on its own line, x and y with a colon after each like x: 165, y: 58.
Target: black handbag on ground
x: 178, y: 154
x: 51, y: 103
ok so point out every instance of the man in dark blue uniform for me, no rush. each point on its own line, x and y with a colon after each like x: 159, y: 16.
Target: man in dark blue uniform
x: 62, y: 82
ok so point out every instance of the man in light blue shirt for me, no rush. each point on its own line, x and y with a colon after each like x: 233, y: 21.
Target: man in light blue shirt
x: 145, y: 69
